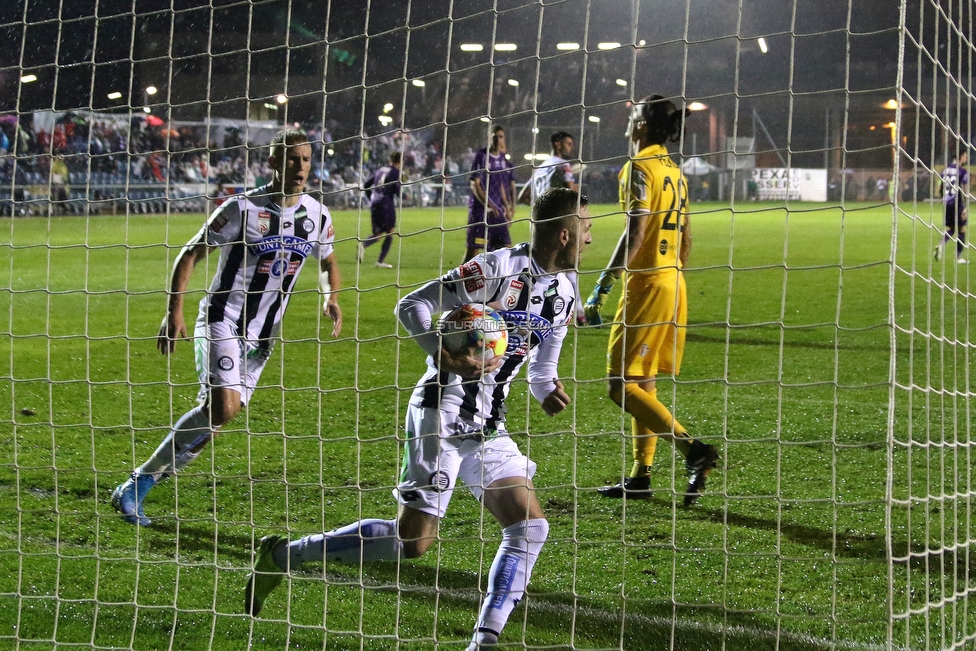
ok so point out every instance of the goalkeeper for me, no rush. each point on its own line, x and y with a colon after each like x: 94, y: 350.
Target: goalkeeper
x: 647, y: 336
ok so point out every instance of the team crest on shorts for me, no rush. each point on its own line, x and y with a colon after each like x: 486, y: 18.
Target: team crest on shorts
x: 225, y: 363
x: 264, y: 222
x: 440, y: 481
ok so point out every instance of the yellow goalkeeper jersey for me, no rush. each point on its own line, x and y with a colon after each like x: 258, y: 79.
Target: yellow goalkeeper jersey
x: 652, y: 183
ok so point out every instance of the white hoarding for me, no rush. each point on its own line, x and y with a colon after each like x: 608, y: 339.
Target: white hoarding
x: 779, y: 183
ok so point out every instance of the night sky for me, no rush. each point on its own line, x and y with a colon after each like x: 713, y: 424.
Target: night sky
x: 345, y: 60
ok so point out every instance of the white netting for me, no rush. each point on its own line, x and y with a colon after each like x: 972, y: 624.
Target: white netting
x: 828, y: 352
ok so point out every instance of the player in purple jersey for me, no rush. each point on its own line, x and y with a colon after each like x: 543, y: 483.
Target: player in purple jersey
x: 955, y: 178
x: 264, y: 237
x: 491, y: 204
x: 382, y: 189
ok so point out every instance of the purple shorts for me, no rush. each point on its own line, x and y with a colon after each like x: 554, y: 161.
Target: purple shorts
x: 383, y: 218
x: 490, y: 235
x: 955, y: 216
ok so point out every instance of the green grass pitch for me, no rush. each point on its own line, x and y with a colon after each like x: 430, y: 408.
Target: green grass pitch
x: 788, y: 368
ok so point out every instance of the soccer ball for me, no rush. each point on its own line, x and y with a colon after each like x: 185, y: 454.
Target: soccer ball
x: 474, y: 325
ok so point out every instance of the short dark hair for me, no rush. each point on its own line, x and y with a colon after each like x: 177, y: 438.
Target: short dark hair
x: 558, y: 137
x: 395, y: 158
x: 664, y: 120
x: 284, y: 138
x: 550, y: 210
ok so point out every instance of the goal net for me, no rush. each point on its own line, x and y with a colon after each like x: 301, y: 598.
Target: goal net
x: 827, y: 352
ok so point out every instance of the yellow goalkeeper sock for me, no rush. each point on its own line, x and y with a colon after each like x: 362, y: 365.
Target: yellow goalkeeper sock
x: 652, y: 414
x: 644, y: 445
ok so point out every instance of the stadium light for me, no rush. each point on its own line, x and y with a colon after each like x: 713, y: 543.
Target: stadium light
x: 621, y: 82
x: 891, y: 104
x: 388, y: 107
x: 269, y: 105
x: 151, y: 90
x: 536, y: 157
x: 505, y: 47
x: 282, y: 99
x: 472, y: 47
x: 419, y: 83
x: 594, y: 118
x: 642, y: 42
x: 609, y: 45
x: 385, y: 120
x: 697, y: 106
x: 330, y: 151
x: 567, y: 46
x: 535, y: 129
x: 146, y: 109
x: 762, y: 45
x: 26, y: 79
x: 115, y: 95
x: 485, y: 119
x: 513, y: 82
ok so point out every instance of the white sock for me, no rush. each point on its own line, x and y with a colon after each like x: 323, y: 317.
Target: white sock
x: 510, y: 574
x: 175, y: 452
x: 363, y: 541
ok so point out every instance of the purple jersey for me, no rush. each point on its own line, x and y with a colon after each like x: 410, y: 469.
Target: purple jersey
x: 383, y: 186
x: 496, y: 174
x: 954, y: 178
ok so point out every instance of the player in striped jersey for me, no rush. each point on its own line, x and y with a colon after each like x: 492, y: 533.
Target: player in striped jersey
x: 647, y: 336
x: 556, y: 172
x: 264, y: 237
x: 456, y: 417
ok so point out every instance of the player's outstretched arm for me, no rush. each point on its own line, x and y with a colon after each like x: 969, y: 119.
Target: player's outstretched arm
x: 174, y: 326
x: 329, y: 268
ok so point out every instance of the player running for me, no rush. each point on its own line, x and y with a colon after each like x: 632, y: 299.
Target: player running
x: 955, y: 178
x: 647, y: 336
x: 456, y: 417
x: 491, y: 202
x: 382, y: 190
x: 264, y: 237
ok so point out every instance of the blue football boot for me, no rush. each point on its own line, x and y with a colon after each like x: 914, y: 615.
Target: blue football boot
x: 128, y: 496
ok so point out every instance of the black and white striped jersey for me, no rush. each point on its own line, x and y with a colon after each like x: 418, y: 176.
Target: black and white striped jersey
x: 262, y: 249
x: 555, y: 172
x: 537, y: 307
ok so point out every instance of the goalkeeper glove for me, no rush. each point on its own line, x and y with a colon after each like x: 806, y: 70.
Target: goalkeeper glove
x: 594, y: 304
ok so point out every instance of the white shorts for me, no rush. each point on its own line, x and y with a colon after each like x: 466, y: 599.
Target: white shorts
x: 225, y: 360
x: 438, y: 453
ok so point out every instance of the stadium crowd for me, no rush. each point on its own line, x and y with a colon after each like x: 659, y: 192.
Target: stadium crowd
x: 97, y: 158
